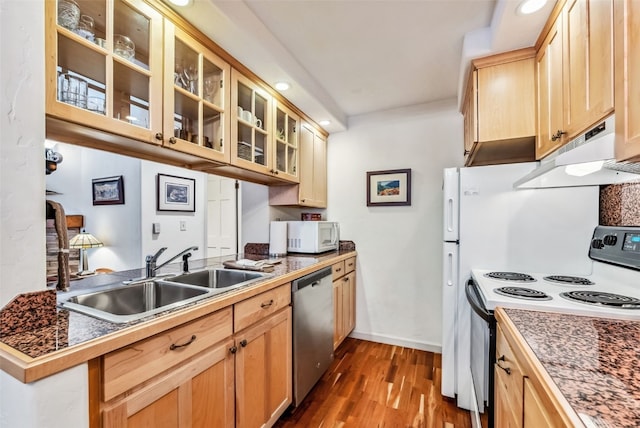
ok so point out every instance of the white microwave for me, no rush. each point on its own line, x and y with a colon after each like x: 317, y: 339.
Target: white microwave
x: 312, y: 236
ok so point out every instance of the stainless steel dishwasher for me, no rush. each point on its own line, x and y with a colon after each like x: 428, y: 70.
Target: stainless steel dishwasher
x: 312, y: 298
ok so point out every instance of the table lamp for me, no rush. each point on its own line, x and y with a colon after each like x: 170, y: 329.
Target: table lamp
x: 82, y: 241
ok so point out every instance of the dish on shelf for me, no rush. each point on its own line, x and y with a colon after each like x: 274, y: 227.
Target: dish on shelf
x: 123, y: 46
x: 68, y: 14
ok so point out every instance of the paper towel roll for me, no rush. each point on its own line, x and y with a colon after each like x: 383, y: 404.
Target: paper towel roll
x: 278, y: 238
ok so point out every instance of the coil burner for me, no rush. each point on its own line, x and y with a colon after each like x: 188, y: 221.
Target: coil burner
x: 522, y: 293
x: 602, y: 299
x: 510, y: 276
x: 568, y: 280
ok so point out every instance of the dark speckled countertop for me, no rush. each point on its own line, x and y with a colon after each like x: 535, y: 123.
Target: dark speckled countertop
x: 593, y: 361
x: 24, y: 330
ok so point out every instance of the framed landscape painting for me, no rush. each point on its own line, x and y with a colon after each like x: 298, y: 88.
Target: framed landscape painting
x: 176, y: 193
x: 108, y: 190
x: 389, y: 188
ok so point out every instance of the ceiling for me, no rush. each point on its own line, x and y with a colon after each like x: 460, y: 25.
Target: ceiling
x: 345, y: 58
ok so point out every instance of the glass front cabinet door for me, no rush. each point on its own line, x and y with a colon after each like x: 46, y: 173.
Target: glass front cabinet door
x: 104, y: 65
x: 285, y: 155
x: 251, y: 125
x: 197, y: 93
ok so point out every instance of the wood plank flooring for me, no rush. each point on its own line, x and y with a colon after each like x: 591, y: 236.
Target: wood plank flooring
x: 373, y: 385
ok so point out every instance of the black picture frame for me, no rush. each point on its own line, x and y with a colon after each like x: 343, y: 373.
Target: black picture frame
x: 108, y: 190
x: 389, y: 188
x: 175, y: 193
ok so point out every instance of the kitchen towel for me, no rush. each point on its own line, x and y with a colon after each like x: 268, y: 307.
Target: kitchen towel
x: 278, y: 238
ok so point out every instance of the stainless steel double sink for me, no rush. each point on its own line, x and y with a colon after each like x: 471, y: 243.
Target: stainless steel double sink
x: 125, y: 303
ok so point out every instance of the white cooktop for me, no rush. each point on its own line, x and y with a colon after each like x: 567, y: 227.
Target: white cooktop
x: 606, y: 278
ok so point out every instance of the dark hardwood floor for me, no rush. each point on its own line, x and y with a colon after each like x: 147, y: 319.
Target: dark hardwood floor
x: 374, y: 385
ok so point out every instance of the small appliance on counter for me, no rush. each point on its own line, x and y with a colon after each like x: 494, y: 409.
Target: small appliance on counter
x: 312, y: 237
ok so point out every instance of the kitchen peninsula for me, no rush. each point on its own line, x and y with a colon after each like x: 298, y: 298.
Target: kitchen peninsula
x: 223, y: 324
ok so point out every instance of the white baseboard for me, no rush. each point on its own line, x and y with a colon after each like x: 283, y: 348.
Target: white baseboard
x: 397, y: 341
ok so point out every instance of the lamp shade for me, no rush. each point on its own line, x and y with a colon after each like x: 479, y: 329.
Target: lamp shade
x: 84, y: 240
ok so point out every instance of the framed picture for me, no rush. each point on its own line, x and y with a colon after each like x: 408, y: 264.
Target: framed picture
x: 389, y: 188
x: 176, y: 193
x: 108, y: 190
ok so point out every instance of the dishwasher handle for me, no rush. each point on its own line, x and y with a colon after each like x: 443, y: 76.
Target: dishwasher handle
x: 311, y: 279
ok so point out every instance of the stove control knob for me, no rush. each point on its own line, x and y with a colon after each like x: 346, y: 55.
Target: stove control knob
x: 597, y: 244
x: 610, y: 240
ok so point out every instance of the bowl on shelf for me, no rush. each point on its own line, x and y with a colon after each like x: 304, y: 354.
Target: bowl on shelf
x: 68, y: 14
x: 124, y: 46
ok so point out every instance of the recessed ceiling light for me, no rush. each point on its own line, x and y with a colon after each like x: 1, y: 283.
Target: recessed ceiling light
x: 180, y: 2
x: 282, y: 86
x: 530, y: 6
x: 325, y: 122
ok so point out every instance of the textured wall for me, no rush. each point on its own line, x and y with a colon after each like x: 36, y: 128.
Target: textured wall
x: 620, y: 204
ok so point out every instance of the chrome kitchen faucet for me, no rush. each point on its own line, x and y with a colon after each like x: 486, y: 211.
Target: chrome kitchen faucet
x: 151, y: 260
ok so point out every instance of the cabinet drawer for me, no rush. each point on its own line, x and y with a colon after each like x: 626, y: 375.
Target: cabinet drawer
x: 509, y: 372
x: 127, y: 367
x: 256, y: 308
x: 350, y: 265
x: 337, y: 270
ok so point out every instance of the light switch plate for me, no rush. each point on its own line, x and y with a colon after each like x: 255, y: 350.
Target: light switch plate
x: 183, y: 225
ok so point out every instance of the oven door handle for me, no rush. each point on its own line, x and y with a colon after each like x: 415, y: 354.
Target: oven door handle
x: 474, y: 299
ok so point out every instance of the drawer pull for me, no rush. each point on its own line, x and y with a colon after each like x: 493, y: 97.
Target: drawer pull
x: 266, y: 305
x: 506, y: 369
x: 174, y: 346
x: 338, y: 270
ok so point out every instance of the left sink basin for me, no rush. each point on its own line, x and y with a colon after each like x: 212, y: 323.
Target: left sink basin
x: 133, y: 302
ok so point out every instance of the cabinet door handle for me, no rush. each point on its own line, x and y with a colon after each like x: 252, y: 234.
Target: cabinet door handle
x: 506, y: 369
x: 243, y: 342
x: 172, y: 140
x: 233, y: 349
x: 159, y: 136
x: 557, y: 135
x: 345, y: 279
x: 174, y: 346
x: 266, y: 305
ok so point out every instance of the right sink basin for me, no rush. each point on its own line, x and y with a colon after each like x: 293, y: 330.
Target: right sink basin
x: 217, y: 279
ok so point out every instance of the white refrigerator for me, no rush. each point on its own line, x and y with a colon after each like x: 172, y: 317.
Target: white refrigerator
x: 489, y: 225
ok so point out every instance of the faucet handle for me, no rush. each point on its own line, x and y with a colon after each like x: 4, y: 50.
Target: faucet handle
x: 156, y: 255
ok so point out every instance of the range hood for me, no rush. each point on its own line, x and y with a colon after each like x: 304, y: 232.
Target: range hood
x: 588, y: 160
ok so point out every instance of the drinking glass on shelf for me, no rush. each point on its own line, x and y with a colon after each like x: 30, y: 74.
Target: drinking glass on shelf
x: 85, y: 27
x: 191, y: 73
x: 210, y: 85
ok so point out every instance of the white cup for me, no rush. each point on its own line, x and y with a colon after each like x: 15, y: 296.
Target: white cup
x: 258, y: 122
x: 247, y: 116
x: 240, y: 110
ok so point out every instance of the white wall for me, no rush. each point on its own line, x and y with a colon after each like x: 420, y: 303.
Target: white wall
x: 399, y: 248
x: 170, y: 235
x: 117, y: 226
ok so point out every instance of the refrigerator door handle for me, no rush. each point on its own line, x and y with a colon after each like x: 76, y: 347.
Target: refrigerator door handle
x: 450, y: 268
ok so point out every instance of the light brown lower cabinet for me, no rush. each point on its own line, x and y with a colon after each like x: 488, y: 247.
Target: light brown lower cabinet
x: 344, y: 299
x: 231, y: 368
x: 263, y: 371
x: 521, y: 399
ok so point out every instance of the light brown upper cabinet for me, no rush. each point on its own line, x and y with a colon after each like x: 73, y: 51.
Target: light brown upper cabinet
x: 550, y: 95
x: 105, y: 71
x: 499, y: 109
x: 627, y: 70
x: 575, y: 72
x: 286, y: 142
x: 312, y: 188
x: 196, y: 98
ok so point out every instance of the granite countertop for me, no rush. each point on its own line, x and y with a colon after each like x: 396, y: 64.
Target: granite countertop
x: 38, y: 330
x: 593, y: 362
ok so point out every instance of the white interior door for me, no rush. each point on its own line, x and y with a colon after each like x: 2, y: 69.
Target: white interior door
x: 222, y: 216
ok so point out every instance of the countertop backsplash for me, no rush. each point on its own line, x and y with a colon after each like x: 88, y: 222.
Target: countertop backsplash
x: 620, y: 204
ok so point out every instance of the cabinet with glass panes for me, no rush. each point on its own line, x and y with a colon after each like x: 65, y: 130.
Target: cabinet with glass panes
x: 285, y: 155
x: 196, y: 97
x: 251, y: 125
x: 104, y: 68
